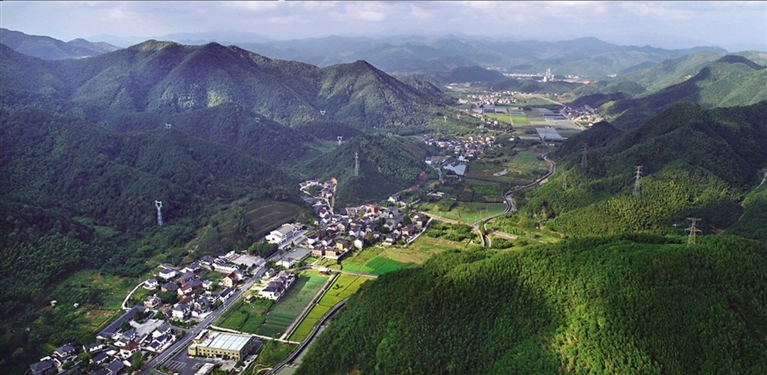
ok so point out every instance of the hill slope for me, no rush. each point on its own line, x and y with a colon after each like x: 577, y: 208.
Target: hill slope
x: 623, y: 305
x: 695, y: 162
x: 729, y: 81
x: 387, y: 165
x: 164, y: 77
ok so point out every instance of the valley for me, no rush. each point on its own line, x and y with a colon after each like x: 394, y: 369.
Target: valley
x: 366, y: 214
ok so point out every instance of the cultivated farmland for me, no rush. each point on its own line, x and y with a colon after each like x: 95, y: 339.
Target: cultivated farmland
x: 343, y: 287
x: 280, y: 316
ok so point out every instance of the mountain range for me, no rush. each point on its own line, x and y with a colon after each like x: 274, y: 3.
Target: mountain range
x: 408, y: 54
x: 49, y: 48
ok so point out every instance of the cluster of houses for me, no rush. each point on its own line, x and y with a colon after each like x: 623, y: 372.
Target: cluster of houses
x: 137, y: 331
x: 354, y: 227
x: 464, y: 148
x: 278, y: 286
x: 196, y: 297
x: 581, y: 114
x: 133, y: 332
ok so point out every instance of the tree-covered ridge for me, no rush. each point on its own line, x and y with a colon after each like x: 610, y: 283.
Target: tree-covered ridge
x: 729, y: 81
x: 619, y: 305
x: 62, y: 163
x: 387, y: 164
x: 695, y: 162
x: 164, y: 77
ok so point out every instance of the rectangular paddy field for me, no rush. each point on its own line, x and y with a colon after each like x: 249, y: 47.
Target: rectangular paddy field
x: 343, y: 287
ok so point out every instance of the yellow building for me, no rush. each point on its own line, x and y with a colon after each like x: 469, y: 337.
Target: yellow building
x: 222, y: 345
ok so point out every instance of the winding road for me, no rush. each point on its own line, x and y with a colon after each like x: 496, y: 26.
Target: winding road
x: 509, y: 200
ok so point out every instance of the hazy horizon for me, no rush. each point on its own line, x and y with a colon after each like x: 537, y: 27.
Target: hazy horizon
x: 734, y: 26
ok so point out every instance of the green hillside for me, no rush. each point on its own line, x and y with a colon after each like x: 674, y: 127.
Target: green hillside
x: 730, y: 81
x: 387, y: 165
x: 695, y: 162
x: 75, y: 197
x: 618, y: 305
x: 672, y: 71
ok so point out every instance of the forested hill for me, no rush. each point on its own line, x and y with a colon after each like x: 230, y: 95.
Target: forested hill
x: 729, y: 81
x: 164, y: 77
x: 695, y: 162
x: 619, y: 305
x: 61, y: 163
x: 387, y: 165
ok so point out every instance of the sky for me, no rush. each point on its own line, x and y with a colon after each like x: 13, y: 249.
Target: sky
x: 734, y: 26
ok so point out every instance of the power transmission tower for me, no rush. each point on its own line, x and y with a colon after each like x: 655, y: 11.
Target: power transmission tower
x: 158, y: 205
x: 356, y: 164
x: 693, y: 231
x: 637, y: 176
x: 584, y: 156
x: 564, y: 182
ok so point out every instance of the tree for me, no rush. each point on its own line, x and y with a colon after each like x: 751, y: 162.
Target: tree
x: 137, y: 361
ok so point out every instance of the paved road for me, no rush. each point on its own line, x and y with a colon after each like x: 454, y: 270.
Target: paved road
x: 181, y: 343
x: 124, y: 306
x: 509, y: 200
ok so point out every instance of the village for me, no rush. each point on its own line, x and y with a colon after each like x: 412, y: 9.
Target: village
x: 182, y: 303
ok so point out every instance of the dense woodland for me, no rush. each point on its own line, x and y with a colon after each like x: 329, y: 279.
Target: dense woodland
x: 621, y: 305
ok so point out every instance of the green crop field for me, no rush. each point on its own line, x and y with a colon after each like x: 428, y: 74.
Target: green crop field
x: 499, y: 117
x: 244, y: 316
x: 282, y: 314
x: 520, y: 120
x: 343, y: 287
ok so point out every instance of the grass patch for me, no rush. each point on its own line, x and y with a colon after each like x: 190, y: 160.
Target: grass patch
x: 428, y: 246
x: 470, y: 212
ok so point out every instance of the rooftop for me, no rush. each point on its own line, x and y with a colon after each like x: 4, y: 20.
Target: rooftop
x: 226, y: 341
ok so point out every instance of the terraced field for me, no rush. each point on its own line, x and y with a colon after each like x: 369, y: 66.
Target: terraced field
x: 343, y: 287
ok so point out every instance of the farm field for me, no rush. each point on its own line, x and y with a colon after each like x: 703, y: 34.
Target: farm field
x: 343, y: 287
x: 520, y: 120
x: 471, y: 212
x: 279, y: 317
x: 244, y: 316
x: 371, y: 261
x: 428, y: 246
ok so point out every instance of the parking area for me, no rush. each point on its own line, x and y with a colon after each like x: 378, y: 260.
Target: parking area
x: 184, y: 364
